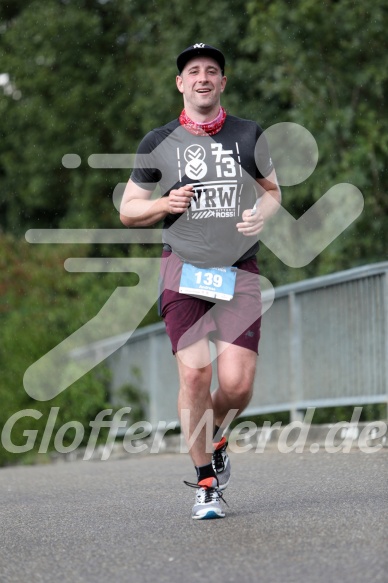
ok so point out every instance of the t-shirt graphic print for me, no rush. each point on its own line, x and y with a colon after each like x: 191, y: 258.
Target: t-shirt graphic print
x: 222, y: 170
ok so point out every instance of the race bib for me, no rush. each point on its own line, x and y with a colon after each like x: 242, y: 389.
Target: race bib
x: 211, y: 282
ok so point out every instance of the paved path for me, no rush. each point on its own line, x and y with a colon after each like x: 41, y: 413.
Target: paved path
x: 291, y: 517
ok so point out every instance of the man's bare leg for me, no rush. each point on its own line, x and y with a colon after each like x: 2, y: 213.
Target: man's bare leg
x: 194, y: 400
x: 236, y: 373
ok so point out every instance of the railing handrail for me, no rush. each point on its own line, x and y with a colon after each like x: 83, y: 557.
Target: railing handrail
x: 322, y: 281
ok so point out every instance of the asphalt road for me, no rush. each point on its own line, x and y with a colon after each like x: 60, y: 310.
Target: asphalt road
x: 291, y: 518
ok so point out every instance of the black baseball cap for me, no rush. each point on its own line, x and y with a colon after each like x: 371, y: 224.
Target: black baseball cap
x: 198, y: 50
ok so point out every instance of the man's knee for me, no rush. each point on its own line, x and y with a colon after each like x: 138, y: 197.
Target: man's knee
x: 241, y: 390
x: 195, y: 381
x: 238, y: 385
x: 235, y: 372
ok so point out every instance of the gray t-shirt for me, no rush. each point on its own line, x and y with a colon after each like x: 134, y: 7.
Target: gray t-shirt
x: 223, y: 169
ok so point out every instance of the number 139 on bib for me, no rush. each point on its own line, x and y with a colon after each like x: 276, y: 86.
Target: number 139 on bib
x: 211, y: 282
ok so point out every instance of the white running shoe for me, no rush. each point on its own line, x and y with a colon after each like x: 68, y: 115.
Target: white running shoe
x: 207, y: 500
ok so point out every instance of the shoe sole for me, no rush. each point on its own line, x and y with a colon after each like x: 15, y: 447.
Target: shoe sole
x: 208, y: 514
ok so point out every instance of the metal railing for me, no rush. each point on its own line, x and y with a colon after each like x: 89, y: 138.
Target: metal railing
x: 324, y: 343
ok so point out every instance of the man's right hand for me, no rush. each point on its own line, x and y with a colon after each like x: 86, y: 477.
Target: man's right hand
x: 179, y: 199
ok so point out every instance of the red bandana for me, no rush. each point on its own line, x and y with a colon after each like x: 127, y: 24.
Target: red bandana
x: 203, y: 129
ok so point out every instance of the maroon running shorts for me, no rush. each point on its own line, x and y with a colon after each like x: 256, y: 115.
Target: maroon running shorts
x: 189, y: 318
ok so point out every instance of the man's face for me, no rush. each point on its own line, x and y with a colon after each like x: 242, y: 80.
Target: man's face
x: 201, y: 83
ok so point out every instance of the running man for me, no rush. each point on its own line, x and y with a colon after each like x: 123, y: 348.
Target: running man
x: 212, y: 170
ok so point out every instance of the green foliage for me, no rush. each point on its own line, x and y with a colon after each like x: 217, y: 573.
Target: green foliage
x: 90, y: 76
x: 321, y: 64
x: 42, y: 305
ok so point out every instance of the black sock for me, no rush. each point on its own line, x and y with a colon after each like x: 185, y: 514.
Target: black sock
x: 217, y: 435
x: 205, y: 472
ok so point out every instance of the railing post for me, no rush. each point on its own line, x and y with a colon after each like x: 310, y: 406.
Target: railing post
x: 152, y: 358
x: 295, y: 357
x: 385, y: 308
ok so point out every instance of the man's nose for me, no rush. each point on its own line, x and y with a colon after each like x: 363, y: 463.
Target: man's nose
x: 203, y: 77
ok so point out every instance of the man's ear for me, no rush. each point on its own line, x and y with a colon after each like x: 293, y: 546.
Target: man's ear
x: 179, y: 83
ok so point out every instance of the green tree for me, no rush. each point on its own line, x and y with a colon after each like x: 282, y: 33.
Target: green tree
x: 321, y: 65
x: 68, y: 93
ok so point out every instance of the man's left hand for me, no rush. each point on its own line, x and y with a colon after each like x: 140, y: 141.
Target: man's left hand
x: 252, y: 223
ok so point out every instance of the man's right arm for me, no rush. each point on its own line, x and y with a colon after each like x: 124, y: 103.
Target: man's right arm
x: 137, y: 210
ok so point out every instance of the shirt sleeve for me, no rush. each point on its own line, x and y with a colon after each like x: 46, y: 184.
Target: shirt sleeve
x: 144, y: 174
x: 264, y: 165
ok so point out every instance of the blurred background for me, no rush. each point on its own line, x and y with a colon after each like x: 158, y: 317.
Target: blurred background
x: 94, y: 76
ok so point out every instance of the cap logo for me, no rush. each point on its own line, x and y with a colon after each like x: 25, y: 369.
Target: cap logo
x: 199, y: 46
